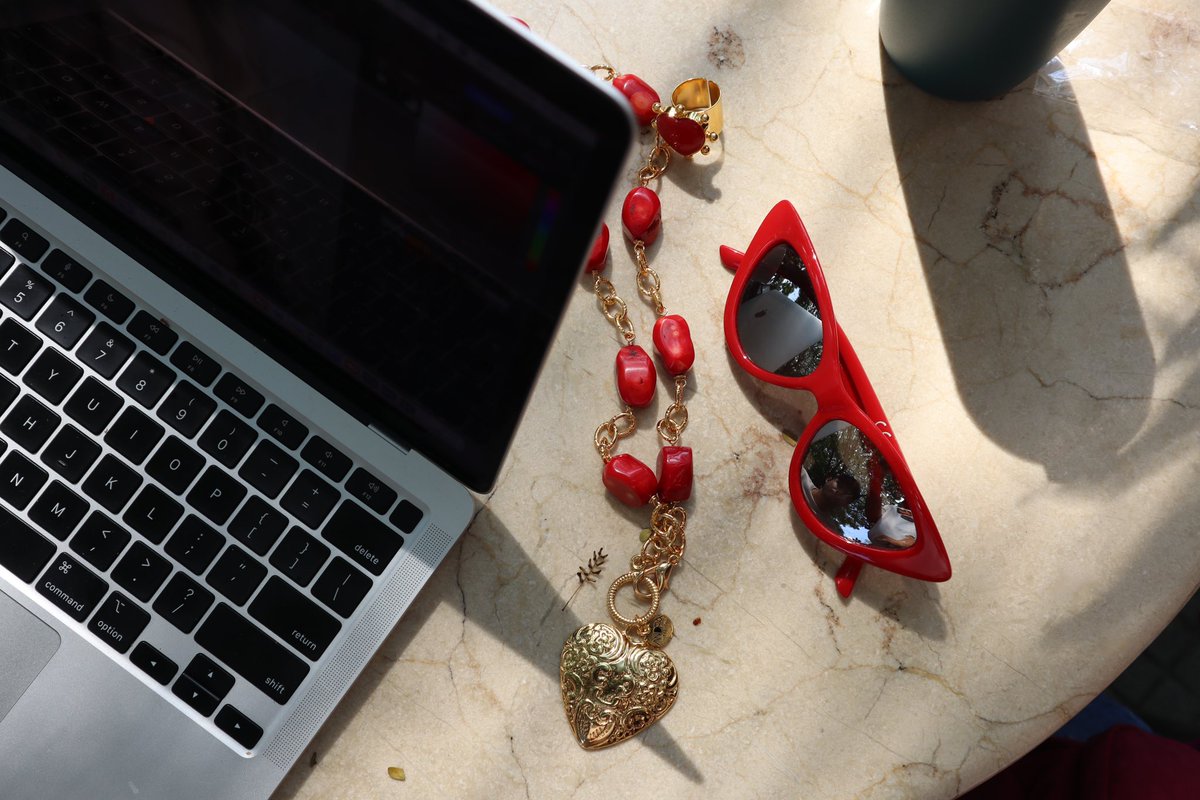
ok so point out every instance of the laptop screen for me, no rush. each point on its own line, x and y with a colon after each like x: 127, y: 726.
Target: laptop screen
x: 393, y: 203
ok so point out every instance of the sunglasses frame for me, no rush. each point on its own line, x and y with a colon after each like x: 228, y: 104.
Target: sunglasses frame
x: 842, y: 392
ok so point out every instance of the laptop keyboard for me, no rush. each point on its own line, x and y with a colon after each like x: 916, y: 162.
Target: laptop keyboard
x: 154, y: 483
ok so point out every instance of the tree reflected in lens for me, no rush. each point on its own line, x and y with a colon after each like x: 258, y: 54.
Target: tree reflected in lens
x: 850, y: 488
x: 778, y: 321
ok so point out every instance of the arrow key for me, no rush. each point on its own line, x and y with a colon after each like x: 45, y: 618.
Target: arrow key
x: 205, y: 672
x: 239, y: 727
x: 195, y: 695
x: 150, y: 661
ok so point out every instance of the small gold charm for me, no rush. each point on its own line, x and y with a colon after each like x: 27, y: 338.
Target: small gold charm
x: 613, y: 689
x: 659, y: 632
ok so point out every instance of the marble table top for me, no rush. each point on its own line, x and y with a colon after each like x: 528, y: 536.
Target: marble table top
x: 1020, y: 279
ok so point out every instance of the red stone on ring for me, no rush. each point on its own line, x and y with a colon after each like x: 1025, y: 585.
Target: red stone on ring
x: 674, y: 474
x: 685, y: 136
x: 636, y: 376
x: 629, y: 480
x: 641, y: 215
x: 673, y: 341
x: 599, y: 254
x: 640, y: 96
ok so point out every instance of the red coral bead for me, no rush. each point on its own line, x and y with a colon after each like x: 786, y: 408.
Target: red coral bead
x: 684, y: 136
x: 636, y: 376
x: 599, y: 254
x: 629, y: 480
x: 640, y: 96
x: 674, y: 474
x: 641, y: 215
x: 673, y: 341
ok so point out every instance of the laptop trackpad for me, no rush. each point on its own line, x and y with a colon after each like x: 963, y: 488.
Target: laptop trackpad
x: 26, y: 644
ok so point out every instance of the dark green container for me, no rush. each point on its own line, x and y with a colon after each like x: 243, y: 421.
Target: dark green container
x: 978, y: 49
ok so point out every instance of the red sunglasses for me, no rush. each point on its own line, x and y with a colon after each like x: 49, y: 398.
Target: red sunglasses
x: 848, y: 480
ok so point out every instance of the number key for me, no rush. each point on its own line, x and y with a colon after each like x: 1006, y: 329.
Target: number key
x: 65, y: 321
x: 227, y: 439
x: 186, y: 409
x: 146, y: 379
x: 24, y: 292
x: 104, y: 350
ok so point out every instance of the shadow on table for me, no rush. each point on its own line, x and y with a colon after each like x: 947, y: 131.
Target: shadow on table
x: 486, y: 536
x: 1029, y: 280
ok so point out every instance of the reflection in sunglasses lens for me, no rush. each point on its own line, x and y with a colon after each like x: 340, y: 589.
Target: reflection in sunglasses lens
x: 852, y: 491
x: 778, y: 322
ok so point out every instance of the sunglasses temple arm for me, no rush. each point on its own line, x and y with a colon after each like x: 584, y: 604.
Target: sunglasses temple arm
x: 732, y: 259
x: 847, y: 575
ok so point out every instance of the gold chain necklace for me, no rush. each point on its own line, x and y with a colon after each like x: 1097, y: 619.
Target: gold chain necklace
x: 616, y: 681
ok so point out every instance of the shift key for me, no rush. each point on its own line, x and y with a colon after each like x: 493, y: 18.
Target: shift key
x: 363, y: 536
x: 251, y: 653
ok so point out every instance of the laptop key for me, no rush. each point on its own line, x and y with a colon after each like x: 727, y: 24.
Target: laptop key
x: 250, y: 652
x: 146, y: 379
x: 195, y: 695
x: 8, y: 393
x: 112, y: 483
x: 257, y: 525
x: 70, y: 453
x: 175, y: 465
x: 183, y: 602
x: 141, y: 571
x: 29, y: 424
x: 93, y: 406
x: 299, y: 556
x: 294, y: 618
x: 104, y: 350
x: 363, y: 537
x: 268, y: 469
x: 23, y: 240
x: 194, y: 544
x: 227, y: 439
x: 152, y: 332
x: 341, y: 587
x: 72, y: 587
x: 17, y: 346
x: 371, y: 490
x: 66, y: 270
x: 238, y: 726
x: 23, y: 551
x: 24, y: 292
x: 109, y: 302
x: 100, y: 541
x: 216, y: 495
x: 328, y: 460
x: 58, y: 510
x: 285, y: 428
x: 119, y: 622
x: 134, y: 435
x: 186, y: 409
x: 151, y: 661
x: 406, y: 517
x: 310, y: 499
x: 153, y: 513
x: 53, y: 375
x: 204, y: 671
x: 20, y: 480
x: 196, y: 364
x: 236, y: 574
x: 65, y: 321
x: 238, y: 395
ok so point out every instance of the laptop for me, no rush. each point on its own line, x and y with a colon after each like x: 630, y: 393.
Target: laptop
x: 276, y: 280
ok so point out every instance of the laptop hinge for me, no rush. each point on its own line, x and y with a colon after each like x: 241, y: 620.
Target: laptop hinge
x: 382, y: 434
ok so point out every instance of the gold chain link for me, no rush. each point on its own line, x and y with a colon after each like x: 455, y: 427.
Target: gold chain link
x: 614, y: 430
x: 656, y: 163
x: 648, y: 283
x: 614, y: 308
x: 675, y: 419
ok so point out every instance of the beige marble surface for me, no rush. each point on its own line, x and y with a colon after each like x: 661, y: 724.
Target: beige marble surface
x: 1020, y: 279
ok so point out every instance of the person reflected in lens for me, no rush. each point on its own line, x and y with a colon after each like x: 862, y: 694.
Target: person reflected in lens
x: 891, y: 523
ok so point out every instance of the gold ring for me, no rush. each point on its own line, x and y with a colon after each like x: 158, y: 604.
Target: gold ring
x: 638, y: 621
x: 700, y: 99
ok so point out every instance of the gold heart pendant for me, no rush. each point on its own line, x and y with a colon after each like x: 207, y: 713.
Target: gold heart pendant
x: 612, y: 688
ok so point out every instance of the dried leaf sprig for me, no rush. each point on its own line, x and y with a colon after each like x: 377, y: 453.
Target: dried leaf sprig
x: 588, y: 574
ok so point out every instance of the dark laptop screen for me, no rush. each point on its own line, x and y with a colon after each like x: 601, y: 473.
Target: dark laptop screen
x: 391, y: 208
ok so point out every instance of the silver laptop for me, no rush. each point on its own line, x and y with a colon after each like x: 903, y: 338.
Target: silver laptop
x: 276, y: 279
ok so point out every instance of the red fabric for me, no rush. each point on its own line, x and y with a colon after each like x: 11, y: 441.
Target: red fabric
x: 1123, y: 763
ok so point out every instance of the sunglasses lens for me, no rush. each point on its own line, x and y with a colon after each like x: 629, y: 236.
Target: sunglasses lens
x: 852, y: 491
x: 778, y: 322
